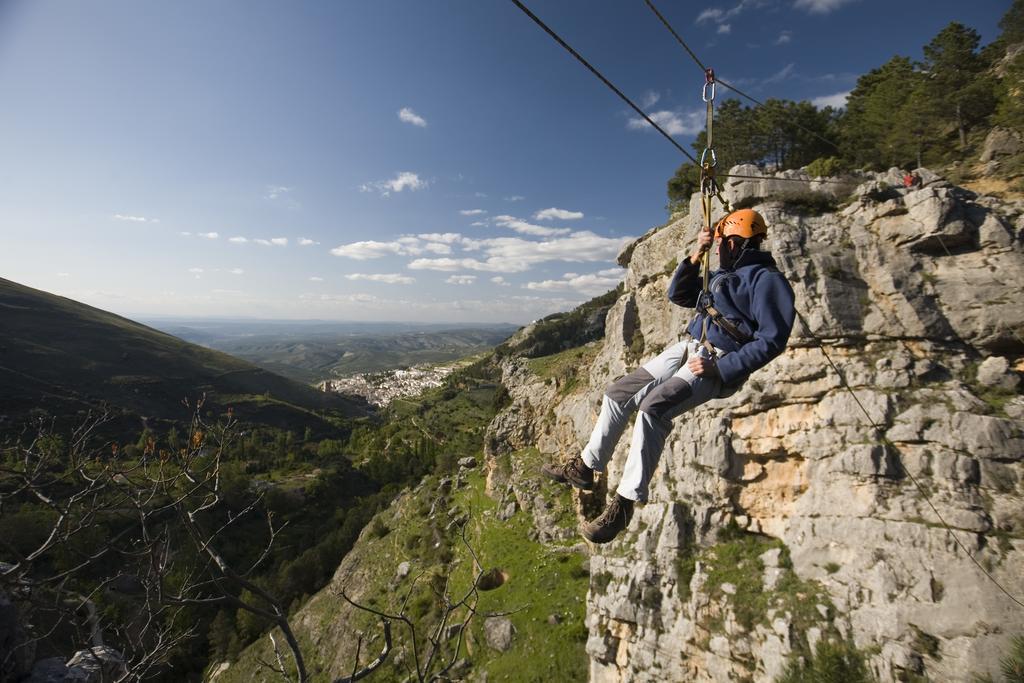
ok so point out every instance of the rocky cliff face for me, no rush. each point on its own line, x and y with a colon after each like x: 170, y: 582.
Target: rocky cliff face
x: 781, y: 517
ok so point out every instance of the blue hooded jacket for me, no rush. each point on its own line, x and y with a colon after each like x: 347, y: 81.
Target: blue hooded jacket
x: 754, y: 296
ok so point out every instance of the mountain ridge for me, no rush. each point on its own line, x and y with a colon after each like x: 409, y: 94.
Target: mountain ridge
x: 64, y: 357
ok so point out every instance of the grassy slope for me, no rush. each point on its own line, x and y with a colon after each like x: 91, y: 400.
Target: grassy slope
x: 64, y: 357
x: 542, y: 581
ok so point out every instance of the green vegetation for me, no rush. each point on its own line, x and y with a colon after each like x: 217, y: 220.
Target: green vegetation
x: 904, y: 113
x: 545, y: 590
x: 565, y: 369
x: 806, y: 202
x: 832, y: 663
x: 311, y: 354
x: 542, y: 590
x: 321, y: 492
x: 736, y: 560
x: 562, y: 331
x: 63, y: 359
x: 1011, y: 665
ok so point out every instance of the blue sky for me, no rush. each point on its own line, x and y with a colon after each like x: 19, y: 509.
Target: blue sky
x: 386, y: 160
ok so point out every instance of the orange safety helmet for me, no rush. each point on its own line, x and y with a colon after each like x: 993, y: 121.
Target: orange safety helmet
x: 744, y: 222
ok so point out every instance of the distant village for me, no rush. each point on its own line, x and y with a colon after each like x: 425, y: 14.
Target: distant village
x: 381, y: 388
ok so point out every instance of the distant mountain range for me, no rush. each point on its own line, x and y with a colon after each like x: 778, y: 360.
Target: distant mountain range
x: 62, y: 358
x: 311, y: 351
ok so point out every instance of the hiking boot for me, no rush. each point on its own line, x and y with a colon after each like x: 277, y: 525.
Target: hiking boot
x: 575, y: 472
x: 614, y: 519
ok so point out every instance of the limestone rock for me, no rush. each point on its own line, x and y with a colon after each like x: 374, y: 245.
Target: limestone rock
x: 96, y: 664
x: 995, y: 372
x: 499, y: 632
x: 1001, y: 142
x: 907, y: 288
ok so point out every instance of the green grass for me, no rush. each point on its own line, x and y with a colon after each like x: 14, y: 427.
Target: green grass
x: 566, y: 368
x: 540, y: 583
x: 838, y: 662
x: 736, y: 560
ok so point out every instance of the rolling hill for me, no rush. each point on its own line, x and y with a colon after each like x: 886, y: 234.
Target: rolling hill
x: 311, y: 351
x: 64, y: 359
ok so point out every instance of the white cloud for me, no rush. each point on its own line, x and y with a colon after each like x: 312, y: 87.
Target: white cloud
x: 276, y: 191
x: 135, y: 219
x: 784, y: 37
x: 478, y: 224
x: 780, y: 75
x: 209, y: 235
x: 63, y: 274
x: 719, y: 16
x: 461, y: 279
x: 388, y: 278
x: 236, y: 271
x: 306, y: 242
x: 524, y: 228
x: 650, y: 99
x: 238, y: 239
x: 195, y: 270
x: 560, y: 214
x: 724, y: 29
x: 314, y: 278
x: 673, y: 122
x: 591, y: 284
x: 272, y: 242
x: 836, y: 101
x: 407, y: 115
x: 231, y: 292
x: 515, y: 198
x: 472, y: 212
x: 405, y: 180
x: 820, y: 6
x: 437, y: 248
x: 516, y: 255
x: 185, y: 233
x: 710, y: 14
x: 500, y: 281
x: 370, y: 249
x: 445, y: 237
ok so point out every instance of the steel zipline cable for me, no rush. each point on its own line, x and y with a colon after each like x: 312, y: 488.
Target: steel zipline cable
x: 886, y: 442
x: 725, y: 84
x: 584, y: 62
x: 842, y: 378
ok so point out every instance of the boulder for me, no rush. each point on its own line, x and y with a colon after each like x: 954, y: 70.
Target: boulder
x: 995, y: 371
x: 1001, y: 142
x: 499, y: 632
x: 97, y: 664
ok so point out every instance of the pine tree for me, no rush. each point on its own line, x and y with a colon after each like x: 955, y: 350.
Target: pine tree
x: 956, y: 78
x: 1012, y: 24
x: 876, y: 129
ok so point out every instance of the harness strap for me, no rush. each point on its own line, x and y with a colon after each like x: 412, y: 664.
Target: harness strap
x: 711, y: 313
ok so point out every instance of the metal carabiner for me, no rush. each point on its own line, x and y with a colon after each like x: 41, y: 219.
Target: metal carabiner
x: 709, y: 79
x: 703, y: 156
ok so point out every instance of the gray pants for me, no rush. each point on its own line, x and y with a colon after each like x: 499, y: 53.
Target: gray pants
x: 662, y: 388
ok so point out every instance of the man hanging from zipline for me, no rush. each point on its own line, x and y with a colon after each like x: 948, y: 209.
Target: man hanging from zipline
x: 743, y: 321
